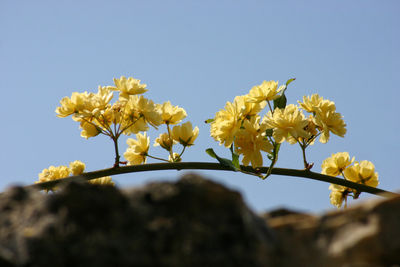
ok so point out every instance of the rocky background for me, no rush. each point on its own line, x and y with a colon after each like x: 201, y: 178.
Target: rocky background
x: 191, y: 222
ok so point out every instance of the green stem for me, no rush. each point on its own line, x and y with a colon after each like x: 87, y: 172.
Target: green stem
x: 171, y: 153
x: 213, y: 166
x: 183, y: 150
x: 157, y: 158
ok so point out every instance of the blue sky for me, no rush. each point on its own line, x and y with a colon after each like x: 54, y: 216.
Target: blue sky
x: 198, y: 55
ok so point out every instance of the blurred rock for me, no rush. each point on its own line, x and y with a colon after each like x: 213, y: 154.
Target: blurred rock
x: 367, y: 234
x: 191, y: 222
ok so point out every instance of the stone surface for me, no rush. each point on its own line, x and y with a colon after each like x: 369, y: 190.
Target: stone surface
x: 191, y: 222
x: 367, y: 234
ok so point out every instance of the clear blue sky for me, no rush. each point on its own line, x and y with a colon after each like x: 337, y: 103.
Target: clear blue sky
x: 198, y: 55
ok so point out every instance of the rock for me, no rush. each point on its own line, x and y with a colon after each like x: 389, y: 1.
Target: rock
x: 367, y: 234
x: 191, y: 222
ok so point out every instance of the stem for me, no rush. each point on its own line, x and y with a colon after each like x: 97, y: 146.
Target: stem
x: 183, y: 150
x: 117, y: 157
x: 213, y: 166
x: 171, y: 153
x: 303, y: 149
x: 270, y: 108
x: 157, y: 158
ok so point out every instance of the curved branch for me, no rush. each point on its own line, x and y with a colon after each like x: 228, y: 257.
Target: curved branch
x: 212, y: 166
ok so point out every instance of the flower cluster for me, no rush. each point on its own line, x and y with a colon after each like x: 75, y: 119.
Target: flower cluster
x: 130, y: 114
x: 240, y: 124
x: 75, y: 168
x: 362, y: 172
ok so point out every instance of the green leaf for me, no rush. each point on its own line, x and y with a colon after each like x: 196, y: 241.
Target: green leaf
x: 223, y: 161
x: 280, y: 102
x: 235, y: 158
x: 211, y: 152
x: 289, y: 81
x: 209, y: 121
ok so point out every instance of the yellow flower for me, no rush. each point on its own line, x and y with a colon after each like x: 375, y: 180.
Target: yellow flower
x: 72, y: 105
x: 77, y: 167
x: 325, y: 116
x: 164, y: 141
x: 94, y: 104
x: 85, y: 106
x: 329, y: 121
x: 288, y: 124
x: 363, y: 173
x: 102, y: 181
x: 266, y: 91
x: 338, y: 194
x: 112, y: 115
x: 137, y: 149
x: 53, y: 173
x: 89, y: 129
x: 226, y: 123
x: 67, y: 108
x: 127, y: 87
x: 250, y: 140
x: 171, y: 114
x: 310, y: 104
x: 185, y: 134
x: 138, y: 112
x: 248, y: 108
x: 336, y: 164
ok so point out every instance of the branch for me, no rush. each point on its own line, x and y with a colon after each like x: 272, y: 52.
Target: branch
x: 212, y: 166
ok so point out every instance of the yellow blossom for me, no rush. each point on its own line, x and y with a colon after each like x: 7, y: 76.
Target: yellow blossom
x: 336, y: 164
x: 288, y: 124
x: 53, y: 173
x: 102, y: 98
x: 250, y: 140
x: 329, y: 121
x: 311, y: 103
x: 127, y: 87
x: 164, y: 141
x: 338, y: 194
x: 266, y: 91
x: 85, y: 106
x: 185, y: 134
x: 112, y: 115
x: 226, y: 123
x: 72, y: 105
x: 77, y: 167
x: 325, y: 116
x: 102, y: 181
x: 363, y: 173
x: 171, y: 114
x: 139, y: 111
x: 94, y: 104
x: 247, y: 108
x: 89, y: 129
x: 137, y: 149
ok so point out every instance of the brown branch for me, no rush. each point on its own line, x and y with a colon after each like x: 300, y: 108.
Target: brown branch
x: 212, y: 166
